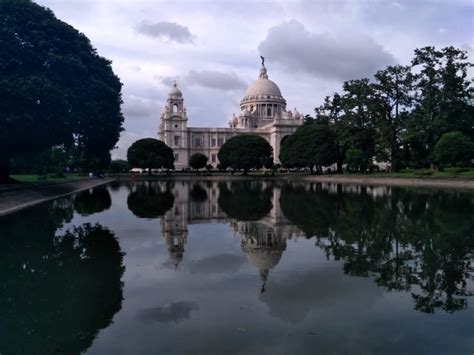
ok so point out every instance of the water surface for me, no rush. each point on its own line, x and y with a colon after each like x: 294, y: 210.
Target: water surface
x: 240, y: 267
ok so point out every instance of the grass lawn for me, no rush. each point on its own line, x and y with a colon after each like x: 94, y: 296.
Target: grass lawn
x: 51, y: 178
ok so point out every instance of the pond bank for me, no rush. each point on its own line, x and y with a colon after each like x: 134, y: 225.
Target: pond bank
x: 16, y: 197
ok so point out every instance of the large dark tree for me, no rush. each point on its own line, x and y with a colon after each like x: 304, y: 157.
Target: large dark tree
x: 54, y: 87
x: 312, y: 145
x: 198, y: 161
x: 150, y: 153
x: 245, y: 152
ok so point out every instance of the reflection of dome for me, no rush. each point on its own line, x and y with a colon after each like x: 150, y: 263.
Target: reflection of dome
x: 264, y: 259
x: 175, y: 92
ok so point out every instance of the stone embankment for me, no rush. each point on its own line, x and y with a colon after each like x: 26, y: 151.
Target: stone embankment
x: 19, y: 196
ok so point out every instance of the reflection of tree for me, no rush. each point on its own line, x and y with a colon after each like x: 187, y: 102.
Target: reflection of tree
x: 57, y: 292
x: 150, y: 200
x: 245, y: 200
x: 92, y: 201
x: 198, y: 194
x: 407, y: 240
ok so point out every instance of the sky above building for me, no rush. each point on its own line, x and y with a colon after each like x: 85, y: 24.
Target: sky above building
x: 212, y: 48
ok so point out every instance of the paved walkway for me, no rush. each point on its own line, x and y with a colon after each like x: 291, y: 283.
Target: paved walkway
x: 19, y: 196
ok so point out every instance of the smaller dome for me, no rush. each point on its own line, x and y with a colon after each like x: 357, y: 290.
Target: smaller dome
x: 297, y: 115
x: 175, y: 92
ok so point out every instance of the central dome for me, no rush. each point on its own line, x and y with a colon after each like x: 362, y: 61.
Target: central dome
x: 263, y: 86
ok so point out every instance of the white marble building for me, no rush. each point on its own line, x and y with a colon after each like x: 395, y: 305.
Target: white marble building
x: 262, y: 112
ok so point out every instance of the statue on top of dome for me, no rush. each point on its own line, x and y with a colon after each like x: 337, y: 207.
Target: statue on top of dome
x: 263, y: 60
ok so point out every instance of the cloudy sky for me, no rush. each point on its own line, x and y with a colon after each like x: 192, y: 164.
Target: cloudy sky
x: 212, y: 48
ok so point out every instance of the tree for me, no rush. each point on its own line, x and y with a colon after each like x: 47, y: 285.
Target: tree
x: 119, y: 166
x: 355, y: 159
x: 394, y: 99
x: 245, y: 152
x: 150, y: 153
x: 332, y: 112
x: 311, y: 145
x: 198, y: 161
x: 352, y: 116
x: 54, y: 87
x: 442, y: 100
x: 453, y: 148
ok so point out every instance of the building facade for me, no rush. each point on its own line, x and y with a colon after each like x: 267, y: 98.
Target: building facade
x: 262, y: 112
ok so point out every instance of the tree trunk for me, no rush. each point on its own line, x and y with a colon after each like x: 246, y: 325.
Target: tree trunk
x: 149, y: 171
x: 4, y: 167
x: 339, y: 166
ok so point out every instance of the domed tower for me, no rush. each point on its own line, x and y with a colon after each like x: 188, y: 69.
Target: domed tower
x: 262, y: 103
x: 173, y: 126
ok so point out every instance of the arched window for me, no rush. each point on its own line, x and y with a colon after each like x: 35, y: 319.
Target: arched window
x: 269, y: 111
x: 175, y: 108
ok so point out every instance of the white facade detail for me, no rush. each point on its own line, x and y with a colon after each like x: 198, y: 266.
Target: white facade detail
x: 262, y: 112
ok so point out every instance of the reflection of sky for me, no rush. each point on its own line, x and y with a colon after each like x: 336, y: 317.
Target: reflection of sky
x: 213, y: 304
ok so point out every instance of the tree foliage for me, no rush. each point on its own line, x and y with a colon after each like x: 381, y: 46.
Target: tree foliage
x: 400, y: 115
x: 54, y: 87
x: 312, y: 145
x: 150, y: 153
x: 453, y: 148
x: 119, y: 166
x: 245, y: 152
x: 198, y: 161
x: 355, y: 159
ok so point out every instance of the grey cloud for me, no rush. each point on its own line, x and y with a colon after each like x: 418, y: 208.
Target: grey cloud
x: 215, y: 80
x: 166, y: 30
x: 211, y: 79
x: 217, y: 264
x: 340, y: 57
x: 138, y: 107
x: 175, y: 312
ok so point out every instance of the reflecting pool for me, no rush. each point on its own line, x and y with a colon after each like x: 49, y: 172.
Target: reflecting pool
x: 240, y: 267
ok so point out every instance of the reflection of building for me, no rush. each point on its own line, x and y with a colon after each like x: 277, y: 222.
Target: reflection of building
x: 262, y: 241
x: 262, y: 244
x: 262, y: 112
